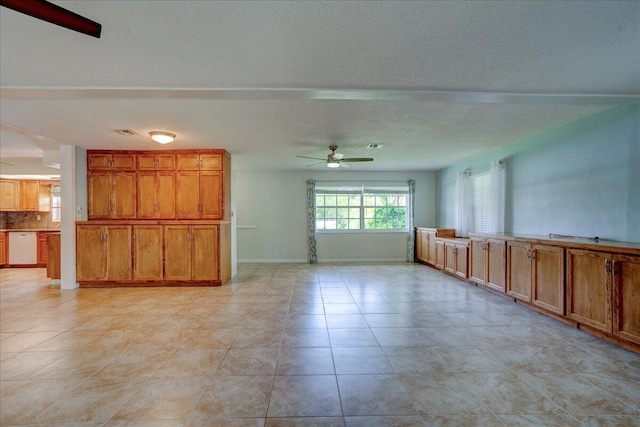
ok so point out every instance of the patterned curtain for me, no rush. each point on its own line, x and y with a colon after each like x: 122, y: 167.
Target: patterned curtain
x: 411, y: 211
x: 312, y: 257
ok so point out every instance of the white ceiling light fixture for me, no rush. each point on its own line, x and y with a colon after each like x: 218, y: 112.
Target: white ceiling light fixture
x: 333, y: 164
x: 162, y: 137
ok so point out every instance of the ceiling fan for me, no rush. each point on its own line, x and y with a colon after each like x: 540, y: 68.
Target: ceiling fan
x: 54, y: 14
x: 335, y: 160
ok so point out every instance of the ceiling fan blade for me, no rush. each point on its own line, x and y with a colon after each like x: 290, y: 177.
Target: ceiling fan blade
x: 358, y: 159
x: 313, y: 164
x: 312, y: 158
x: 337, y: 156
x: 55, y: 14
x: 344, y: 165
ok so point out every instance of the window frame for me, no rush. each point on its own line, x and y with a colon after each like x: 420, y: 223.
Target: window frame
x: 362, y: 190
x: 56, y: 217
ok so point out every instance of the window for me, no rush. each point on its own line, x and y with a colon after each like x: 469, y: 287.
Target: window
x: 361, y: 207
x: 55, y: 203
x: 479, y: 201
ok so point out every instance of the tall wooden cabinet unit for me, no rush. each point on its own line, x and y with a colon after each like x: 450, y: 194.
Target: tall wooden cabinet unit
x: 426, y: 243
x: 535, y: 274
x: 488, y: 262
x: 103, y: 253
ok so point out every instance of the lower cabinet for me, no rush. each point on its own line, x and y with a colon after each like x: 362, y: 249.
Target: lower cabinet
x: 3, y: 248
x: 153, y: 254
x: 440, y: 254
x: 456, y: 256
x: 191, y: 253
x: 426, y: 243
x: 488, y: 259
x: 535, y: 274
x: 103, y: 253
x: 42, y: 251
x: 603, y: 291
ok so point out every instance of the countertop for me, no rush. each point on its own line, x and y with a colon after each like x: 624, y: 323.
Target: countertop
x: 8, y: 230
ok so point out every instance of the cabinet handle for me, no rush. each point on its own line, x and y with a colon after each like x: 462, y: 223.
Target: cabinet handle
x: 607, y: 270
x: 614, y: 268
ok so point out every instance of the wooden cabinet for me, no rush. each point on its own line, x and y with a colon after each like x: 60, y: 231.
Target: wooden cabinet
x: 426, y: 243
x: 9, y: 195
x: 156, y: 195
x: 626, y: 297
x: 53, y: 255
x: 25, y: 195
x: 191, y: 252
x: 603, y: 291
x: 199, y: 161
x: 97, y: 160
x: 488, y: 262
x: 147, y: 252
x: 456, y: 256
x: 535, y: 274
x: 440, y: 254
x: 43, y: 249
x: 199, y: 195
x: 3, y: 249
x: 111, y: 195
x: 156, y: 161
x: 103, y: 252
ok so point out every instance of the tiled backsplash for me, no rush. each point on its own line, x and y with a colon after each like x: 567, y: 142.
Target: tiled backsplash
x: 27, y: 220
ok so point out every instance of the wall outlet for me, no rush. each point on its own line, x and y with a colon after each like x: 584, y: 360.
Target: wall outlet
x: 38, y: 217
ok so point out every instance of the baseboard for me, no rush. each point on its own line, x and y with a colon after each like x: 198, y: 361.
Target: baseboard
x: 272, y: 261
x: 342, y: 260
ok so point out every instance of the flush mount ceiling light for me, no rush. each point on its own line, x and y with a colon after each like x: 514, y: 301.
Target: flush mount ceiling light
x: 162, y: 137
x: 333, y: 164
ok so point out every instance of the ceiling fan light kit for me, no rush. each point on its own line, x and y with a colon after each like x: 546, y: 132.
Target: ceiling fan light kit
x: 162, y: 137
x: 336, y: 160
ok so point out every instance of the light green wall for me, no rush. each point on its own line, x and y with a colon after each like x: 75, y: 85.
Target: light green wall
x: 580, y: 179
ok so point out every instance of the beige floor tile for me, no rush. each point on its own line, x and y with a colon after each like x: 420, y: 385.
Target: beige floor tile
x: 361, y: 360
x: 226, y: 422
x: 249, y: 361
x: 416, y: 360
x: 235, y: 397
x: 557, y: 420
x: 464, y: 420
x: 192, y: 362
x: 22, y: 365
x: 163, y: 398
x: 305, y: 422
x: 352, y: 338
x: 305, y: 338
x: 298, y: 396
x: 305, y: 361
x: 469, y: 359
x: 374, y: 395
x: 258, y: 338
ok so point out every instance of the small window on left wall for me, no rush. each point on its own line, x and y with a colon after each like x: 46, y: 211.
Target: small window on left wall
x: 55, y: 203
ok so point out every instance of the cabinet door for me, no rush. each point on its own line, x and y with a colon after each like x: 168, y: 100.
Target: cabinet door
x: 450, y: 258
x: 43, y: 248
x: 187, y: 162
x: 44, y: 197
x: 166, y: 195
x: 589, y: 288
x: 496, y: 265
x: 146, y: 195
x: 3, y: 248
x: 430, y: 236
x: 9, y: 195
x: 187, y: 195
x: 177, y: 252
x: 548, y: 278
x: 147, y: 252
x: 98, y: 161
x: 205, y: 252
x: 478, y: 261
x: 90, y: 260
x: 118, y: 259
x: 519, y: 270
x: 440, y: 254
x: 99, y: 195
x: 124, y: 195
x: 626, y: 297
x: 210, y: 162
x: 123, y: 161
x: 29, y: 195
x: 146, y: 162
x: 462, y: 261
x: 166, y: 161
x: 211, y: 195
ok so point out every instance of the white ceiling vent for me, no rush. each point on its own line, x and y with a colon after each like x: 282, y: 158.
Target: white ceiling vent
x: 126, y: 132
x: 374, y: 146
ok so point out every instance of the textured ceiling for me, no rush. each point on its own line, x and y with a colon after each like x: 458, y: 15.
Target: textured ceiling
x: 157, y: 63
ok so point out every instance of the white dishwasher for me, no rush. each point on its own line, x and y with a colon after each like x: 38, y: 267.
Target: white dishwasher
x: 23, y: 247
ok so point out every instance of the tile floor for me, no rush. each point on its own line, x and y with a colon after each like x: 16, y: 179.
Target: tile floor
x: 300, y: 345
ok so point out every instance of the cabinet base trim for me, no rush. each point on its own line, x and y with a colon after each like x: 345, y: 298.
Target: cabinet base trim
x: 168, y: 284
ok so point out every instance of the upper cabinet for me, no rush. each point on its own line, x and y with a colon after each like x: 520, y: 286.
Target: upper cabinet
x: 25, y: 195
x: 177, y: 184
x: 111, y: 161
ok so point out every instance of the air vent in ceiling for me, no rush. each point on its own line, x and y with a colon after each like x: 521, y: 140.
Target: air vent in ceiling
x: 374, y: 146
x: 126, y: 132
